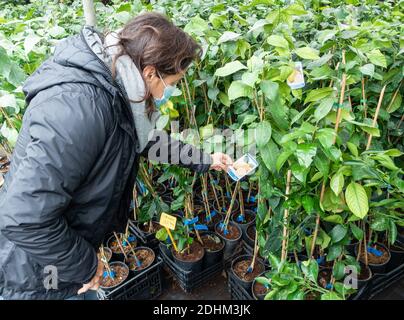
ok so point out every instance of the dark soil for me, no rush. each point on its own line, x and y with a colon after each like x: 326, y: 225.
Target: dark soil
x: 212, y: 242
x: 145, y: 227
x: 145, y: 256
x: 248, y: 217
x: 373, y: 259
x: 233, y: 233
x: 114, y: 246
x: 121, y: 273
x: 194, y: 253
x: 240, y: 269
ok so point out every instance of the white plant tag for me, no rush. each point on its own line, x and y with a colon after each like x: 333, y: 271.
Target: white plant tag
x: 296, y: 78
x: 242, y: 167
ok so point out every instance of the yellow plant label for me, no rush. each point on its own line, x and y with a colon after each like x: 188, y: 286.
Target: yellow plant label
x: 168, y: 221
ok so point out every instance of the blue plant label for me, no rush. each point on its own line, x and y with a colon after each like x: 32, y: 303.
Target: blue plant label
x: 240, y: 218
x: 320, y: 260
x: 124, y: 243
x: 328, y: 286
x: 191, y: 221
x: 374, y: 251
x: 110, y: 274
x: 131, y: 238
x: 200, y: 227
x: 252, y: 199
x: 249, y: 269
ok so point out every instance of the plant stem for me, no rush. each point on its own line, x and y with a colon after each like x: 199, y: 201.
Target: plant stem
x: 285, y: 218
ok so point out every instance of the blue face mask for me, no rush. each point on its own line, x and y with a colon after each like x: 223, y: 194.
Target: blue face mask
x: 168, y: 91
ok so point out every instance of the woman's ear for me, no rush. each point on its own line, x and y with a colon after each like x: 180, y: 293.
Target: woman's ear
x: 149, y: 72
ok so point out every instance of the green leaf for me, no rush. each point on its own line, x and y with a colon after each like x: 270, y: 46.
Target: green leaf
x: 353, y: 148
x: 334, y: 218
x: 228, y: 36
x: 263, y: 133
x: 338, y: 233
x: 310, y: 269
x: 356, y: 231
x: 278, y: 41
x: 318, y: 94
x: 270, y: 89
x: 230, y: 68
x: 331, y: 296
x: 334, y: 251
x: 269, y: 155
x: 307, y: 53
x: 395, y: 104
x: 368, y: 69
x: 337, y: 183
x: 376, y: 57
x: 323, y: 108
x: 305, y: 153
x: 357, y: 199
x: 239, y: 89
x: 283, y: 157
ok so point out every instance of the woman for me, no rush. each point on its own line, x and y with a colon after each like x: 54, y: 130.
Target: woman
x: 91, y: 111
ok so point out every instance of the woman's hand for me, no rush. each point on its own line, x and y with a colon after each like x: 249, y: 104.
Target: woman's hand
x: 94, y: 284
x: 220, y: 161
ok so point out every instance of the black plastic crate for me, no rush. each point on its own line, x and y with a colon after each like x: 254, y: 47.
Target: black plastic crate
x: 237, y: 292
x: 381, y: 282
x: 189, y: 280
x: 147, y: 285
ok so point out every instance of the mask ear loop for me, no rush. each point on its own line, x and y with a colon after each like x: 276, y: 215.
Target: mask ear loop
x: 161, y: 78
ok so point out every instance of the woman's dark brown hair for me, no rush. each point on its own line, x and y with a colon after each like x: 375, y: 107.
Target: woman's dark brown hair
x: 151, y: 39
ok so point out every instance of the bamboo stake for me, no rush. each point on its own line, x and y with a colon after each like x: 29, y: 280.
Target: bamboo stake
x: 214, y: 192
x: 227, y: 218
x: 338, y: 118
x: 120, y: 245
x: 376, y: 115
x: 251, y: 267
x: 285, y: 217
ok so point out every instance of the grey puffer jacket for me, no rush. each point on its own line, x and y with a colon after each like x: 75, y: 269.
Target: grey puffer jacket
x: 71, y: 176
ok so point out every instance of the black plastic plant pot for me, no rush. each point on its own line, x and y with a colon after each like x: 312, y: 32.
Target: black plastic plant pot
x: 255, y: 285
x: 194, y: 266
x: 145, y: 264
x: 230, y: 243
x: 258, y: 268
x: 166, y: 248
x: 249, y: 235
x: 248, y: 220
x: 118, y: 256
x: 397, y: 256
x: 122, y: 277
x: 212, y: 256
x: 400, y: 234
x: 364, y: 277
x: 380, y: 268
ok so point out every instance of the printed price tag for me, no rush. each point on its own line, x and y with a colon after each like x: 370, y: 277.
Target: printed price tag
x: 168, y: 221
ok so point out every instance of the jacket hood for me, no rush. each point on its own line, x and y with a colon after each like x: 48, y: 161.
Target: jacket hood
x: 73, y: 61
